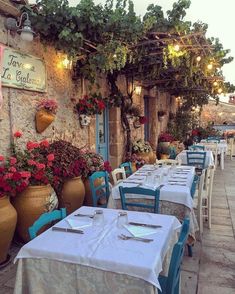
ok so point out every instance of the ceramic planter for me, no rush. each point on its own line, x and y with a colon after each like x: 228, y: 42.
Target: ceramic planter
x: 8, y: 218
x: 43, y: 120
x: 84, y: 120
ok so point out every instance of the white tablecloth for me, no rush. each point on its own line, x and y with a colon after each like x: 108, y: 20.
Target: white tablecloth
x: 100, y: 248
x: 169, y: 192
x: 209, y: 158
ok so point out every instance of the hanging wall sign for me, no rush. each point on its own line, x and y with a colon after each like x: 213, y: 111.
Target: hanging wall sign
x: 23, y: 71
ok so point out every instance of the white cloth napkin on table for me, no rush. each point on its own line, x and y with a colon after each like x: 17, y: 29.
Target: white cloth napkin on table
x: 79, y: 223
x: 138, y: 231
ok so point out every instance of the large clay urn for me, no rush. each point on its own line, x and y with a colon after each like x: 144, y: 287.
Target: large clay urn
x: 43, y: 120
x: 8, y: 218
x: 72, y: 195
x: 152, y: 157
x: 30, y: 204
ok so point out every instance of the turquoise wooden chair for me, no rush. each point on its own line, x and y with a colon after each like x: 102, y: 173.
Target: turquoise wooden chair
x: 139, y: 191
x: 100, y: 192
x: 127, y: 167
x: 196, y: 148
x: 45, y: 219
x: 196, y: 158
x: 194, y: 185
x: 213, y: 139
x: 170, y: 284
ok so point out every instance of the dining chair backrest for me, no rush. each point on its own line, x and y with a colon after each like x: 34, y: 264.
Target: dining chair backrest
x: 197, y: 148
x: 116, y: 173
x: 230, y: 147
x: 124, y: 191
x: 127, y: 167
x: 213, y: 139
x: 209, y: 188
x: 173, y: 278
x: 194, y: 185
x: 196, y: 158
x: 100, y: 191
x: 199, y: 201
x: 213, y: 147
x: 45, y: 219
x: 168, y: 161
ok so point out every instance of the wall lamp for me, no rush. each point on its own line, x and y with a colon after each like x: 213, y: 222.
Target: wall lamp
x: 24, y: 28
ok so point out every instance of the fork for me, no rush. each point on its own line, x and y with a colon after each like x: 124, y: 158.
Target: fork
x: 124, y: 237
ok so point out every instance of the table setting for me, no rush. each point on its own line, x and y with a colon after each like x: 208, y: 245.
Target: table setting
x: 116, y: 243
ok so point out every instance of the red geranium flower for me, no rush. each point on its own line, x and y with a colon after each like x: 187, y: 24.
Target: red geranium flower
x: 50, y: 157
x: 13, y: 160
x: 45, y: 144
x: 1, y: 158
x: 18, y: 134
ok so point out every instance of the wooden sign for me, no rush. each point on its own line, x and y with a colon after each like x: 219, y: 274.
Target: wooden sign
x: 23, y: 71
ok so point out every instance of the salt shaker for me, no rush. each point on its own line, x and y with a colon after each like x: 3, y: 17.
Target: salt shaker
x: 122, y: 219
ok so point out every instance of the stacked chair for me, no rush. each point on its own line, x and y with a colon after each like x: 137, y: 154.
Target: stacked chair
x: 118, y: 175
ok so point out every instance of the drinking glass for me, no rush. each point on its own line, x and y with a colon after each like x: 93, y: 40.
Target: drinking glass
x: 122, y: 219
x: 98, y: 218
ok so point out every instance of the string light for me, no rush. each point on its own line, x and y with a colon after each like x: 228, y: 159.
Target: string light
x: 210, y: 66
x: 177, y: 47
x: 220, y: 90
x: 198, y: 58
x: 215, y: 84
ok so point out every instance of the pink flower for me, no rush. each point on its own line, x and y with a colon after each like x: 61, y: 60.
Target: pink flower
x: 31, y: 162
x: 2, y: 158
x: 40, y: 165
x: 18, y: 134
x: 25, y: 174
x: 50, y: 157
x: 13, y: 160
x: 45, y: 144
x: 12, y: 169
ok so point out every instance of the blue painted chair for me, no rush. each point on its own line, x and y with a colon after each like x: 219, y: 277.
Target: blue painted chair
x: 213, y: 139
x: 196, y: 148
x: 127, y: 167
x: 45, y: 219
x: 172, y: 152
x: 194, y: 185
x: 139, y: 191
x: 196, y: 158
x: 99, y: 184
x: 170, y: 284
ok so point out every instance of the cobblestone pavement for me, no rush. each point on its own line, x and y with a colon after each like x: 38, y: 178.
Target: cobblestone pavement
x: 211, y: 270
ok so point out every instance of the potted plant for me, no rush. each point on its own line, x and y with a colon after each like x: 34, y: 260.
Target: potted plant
x: 68, y: 167
x: 12, y: 181
x: 136, y: 161
x: 163, y: 151
x: 89, y: 105
x: 142, y: 149
x: 161, y: 115
x: 164, y: 141
x: 38, y: 196
x: 94, y: 162
x: 46, y: 110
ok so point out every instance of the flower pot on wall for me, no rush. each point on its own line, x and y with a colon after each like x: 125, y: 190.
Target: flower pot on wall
x: 72, y: 195
x: 30, y: 204
x: 43, y: 120
x: 8, y: 218
x: 84, y: 120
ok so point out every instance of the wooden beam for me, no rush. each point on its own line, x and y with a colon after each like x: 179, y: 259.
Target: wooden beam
x: 9, y: 9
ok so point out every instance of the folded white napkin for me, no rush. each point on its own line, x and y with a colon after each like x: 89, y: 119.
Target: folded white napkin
x: 138, y: 231
x: 79, y: 223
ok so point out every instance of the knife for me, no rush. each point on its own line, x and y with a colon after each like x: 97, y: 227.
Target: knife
x: 69, y: 230
x: 145, y: 225
x: 86, y: 215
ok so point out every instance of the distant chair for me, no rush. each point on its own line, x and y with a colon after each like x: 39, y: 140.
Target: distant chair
x: 118, y: 172
x: 196, y: 158
x: 168, y: 161
x: 139, y: 191
x: 171, y: 283
x: 213, y: 147
x: 194, y: 186
x: 127, y: 167
x: 99, y: 184
x: 45, y: 219
x: 230, y: 147
x: 213, y: 139
x: 196, y: 148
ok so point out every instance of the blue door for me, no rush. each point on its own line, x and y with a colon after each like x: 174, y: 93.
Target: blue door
x: 102, y: 134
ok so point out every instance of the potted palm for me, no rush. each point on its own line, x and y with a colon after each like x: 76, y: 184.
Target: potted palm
x: 45, y: 115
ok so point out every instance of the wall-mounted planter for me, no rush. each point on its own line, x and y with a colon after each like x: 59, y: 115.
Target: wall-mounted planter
x: 43, y: 120
x: 84, y: 120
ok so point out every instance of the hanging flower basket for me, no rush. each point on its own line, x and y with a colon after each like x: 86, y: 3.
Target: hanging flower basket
x: 84, y: 120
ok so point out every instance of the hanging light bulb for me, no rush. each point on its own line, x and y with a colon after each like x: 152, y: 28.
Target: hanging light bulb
x: 210, y: 66
x: 198, y: 58
x: 220, y: 90
x: 177, y: 47
x: 215, y: 83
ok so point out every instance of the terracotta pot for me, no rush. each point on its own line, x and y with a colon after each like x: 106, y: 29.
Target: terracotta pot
x: 30, y: 204
x: 8, y: 218
x: 144, y: 156
x: 43, y: 120
x: 152, y: 157
x: 72, y: 195
x: 164, y: 156
x: 88, y: 196
x: 133, y: 167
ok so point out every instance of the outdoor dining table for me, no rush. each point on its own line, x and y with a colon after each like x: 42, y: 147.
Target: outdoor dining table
x: 175, y: 191
x: 98, y: 261
x: 182, y: 156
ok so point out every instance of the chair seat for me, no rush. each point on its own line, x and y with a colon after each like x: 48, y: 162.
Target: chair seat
x: 162, y: 280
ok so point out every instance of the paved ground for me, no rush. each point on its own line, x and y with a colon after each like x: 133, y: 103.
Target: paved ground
x: 212, y: 268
